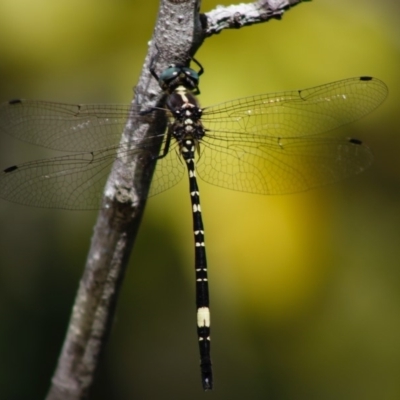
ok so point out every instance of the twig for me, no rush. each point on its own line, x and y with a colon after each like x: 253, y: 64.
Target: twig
x: 179, y: 31
x: 240, y: 15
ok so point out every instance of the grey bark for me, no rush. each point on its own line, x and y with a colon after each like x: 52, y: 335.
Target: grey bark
x: 179, y: 31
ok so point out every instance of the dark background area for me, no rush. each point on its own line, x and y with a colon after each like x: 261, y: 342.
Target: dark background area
x: 305, y: 288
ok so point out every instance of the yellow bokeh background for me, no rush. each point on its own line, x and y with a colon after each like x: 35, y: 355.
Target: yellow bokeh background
x: 305, y: 288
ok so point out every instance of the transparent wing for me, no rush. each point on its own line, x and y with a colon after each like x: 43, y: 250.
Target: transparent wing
x: 297, y: 113
x: 77, y: 181
x: 169, y: 171
x: 65, y: 127
x: 70, y: 182
x: 261, y: 144
x: 277, y: 143
x: 74, y: 181
x: 282, y: 166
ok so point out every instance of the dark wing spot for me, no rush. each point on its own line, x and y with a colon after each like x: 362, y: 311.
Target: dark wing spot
x: 355, y: 141
x: 15, y: 101
x: 365, y: 78
x: 10, y: 169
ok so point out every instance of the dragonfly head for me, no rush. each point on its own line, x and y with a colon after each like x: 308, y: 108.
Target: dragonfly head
x: 178, y: 75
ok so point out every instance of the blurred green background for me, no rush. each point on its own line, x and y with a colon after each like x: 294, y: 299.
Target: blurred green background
x: 305, y: 288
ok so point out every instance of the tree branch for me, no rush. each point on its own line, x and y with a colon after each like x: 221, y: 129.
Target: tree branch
x: 240, y: 15
x: 179, y: 32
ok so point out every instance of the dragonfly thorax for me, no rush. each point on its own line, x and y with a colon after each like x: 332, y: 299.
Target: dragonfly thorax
x: 186, y: 126
x: 181, y: 102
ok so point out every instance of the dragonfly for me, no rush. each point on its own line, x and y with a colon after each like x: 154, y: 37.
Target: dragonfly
x: 274, y: 143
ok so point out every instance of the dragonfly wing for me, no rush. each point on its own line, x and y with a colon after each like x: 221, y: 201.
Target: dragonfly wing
x: 281, y: 166
x: 77, y: 181
x: 169, y: 170
x: 65, y: 127
x: 297, y: 113
x: 277, y: 143
x: 259, y: 144
x: 70, y: 182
